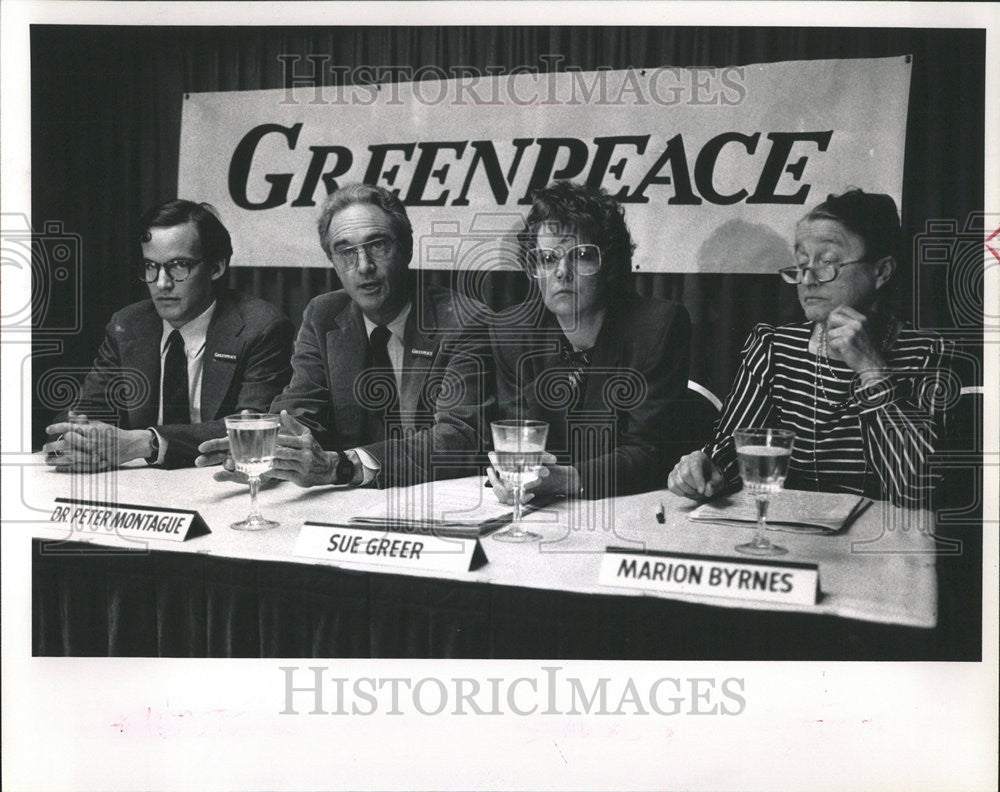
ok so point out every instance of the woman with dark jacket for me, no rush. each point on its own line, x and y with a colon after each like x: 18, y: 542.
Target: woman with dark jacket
x: 603, y: 366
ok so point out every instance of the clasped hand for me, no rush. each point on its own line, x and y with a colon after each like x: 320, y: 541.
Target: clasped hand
x: 553, y: 479
x: 297, y: 457
x: 84, y: 446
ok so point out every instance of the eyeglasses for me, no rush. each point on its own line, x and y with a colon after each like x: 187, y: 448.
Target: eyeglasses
x: 823, y: 272
x: 177, y: 269
x: 378, y: 251
x: 582, y: 259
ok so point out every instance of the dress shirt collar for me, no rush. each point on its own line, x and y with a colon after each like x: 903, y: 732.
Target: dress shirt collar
x: 397, y: 326
x: 194, y: 332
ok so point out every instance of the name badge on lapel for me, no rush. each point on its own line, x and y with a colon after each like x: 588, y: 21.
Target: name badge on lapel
x: 422, y: 352
x: 225, y: 356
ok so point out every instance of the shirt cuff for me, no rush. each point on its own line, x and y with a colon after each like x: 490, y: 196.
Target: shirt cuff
x: 369, y: 465
x: 881, y: 393
x: 722, y: 455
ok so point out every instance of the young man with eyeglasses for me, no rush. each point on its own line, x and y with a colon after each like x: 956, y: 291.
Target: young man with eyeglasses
x: 391, y: 383
x: 173, y: 366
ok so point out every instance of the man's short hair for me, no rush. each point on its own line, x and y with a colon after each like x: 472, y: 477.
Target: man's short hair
x: 367, y: 195
x: 216, y: 244
x: 593, y: 212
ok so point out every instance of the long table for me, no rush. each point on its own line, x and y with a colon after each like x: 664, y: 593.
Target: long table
x: 243, y: 594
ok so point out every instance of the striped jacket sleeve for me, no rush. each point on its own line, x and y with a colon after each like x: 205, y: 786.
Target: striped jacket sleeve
x: 749, y: 402
x: 901, y: 418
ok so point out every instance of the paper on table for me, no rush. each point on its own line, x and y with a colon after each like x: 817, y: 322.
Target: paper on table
x: 797, y: 511
x: 455, y: 507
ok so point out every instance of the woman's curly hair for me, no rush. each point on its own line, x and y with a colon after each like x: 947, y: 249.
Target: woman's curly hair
x: 590, y: 211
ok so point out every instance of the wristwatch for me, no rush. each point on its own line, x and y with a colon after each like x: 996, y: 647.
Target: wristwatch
x: 154, y: 444
x: 344, y: 472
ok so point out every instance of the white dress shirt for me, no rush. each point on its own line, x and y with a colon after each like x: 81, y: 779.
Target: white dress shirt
x: 394, y: 346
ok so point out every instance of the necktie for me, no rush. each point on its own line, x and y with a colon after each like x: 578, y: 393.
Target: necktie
x: 176, y: 403
x: 381, y: 362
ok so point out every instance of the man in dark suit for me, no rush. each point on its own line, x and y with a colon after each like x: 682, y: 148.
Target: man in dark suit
x: 172, y: 367
x: 390, y: 384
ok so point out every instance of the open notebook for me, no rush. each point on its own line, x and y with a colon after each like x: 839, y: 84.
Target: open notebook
x: 797, y: 511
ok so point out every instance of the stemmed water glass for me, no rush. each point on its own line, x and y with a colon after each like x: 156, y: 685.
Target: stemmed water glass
x: 252, y: 438
x: 764, y: 455
x: 517, y: 456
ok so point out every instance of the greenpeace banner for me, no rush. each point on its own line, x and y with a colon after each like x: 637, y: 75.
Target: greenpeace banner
x: 714, y: 166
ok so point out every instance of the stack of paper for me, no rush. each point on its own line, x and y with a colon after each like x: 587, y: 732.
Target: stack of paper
x: 457, y: 507
x: 791, y: 510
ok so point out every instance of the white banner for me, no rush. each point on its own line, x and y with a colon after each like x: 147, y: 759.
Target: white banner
x: 714, y: 166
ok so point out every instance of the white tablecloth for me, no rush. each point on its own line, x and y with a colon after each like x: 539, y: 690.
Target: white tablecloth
x: 881, y: 570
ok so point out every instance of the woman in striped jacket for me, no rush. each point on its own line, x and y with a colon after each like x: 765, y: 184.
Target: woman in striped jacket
x: 862, y: 391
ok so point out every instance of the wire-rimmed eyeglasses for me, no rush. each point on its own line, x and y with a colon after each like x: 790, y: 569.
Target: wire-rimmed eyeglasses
x: 378, y: 250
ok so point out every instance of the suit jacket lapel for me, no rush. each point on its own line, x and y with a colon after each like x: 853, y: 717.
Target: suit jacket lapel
x: 141, y: 352
x: 419, y: 351
x: 607, y: 356
x: 347, y: 353
x: 538, y: 355
x: 223, y: 348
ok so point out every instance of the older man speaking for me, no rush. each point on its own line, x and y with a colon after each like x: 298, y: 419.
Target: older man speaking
x: 391, y: 385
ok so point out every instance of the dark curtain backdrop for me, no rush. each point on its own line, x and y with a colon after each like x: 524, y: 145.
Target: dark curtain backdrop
x: 106, y: 113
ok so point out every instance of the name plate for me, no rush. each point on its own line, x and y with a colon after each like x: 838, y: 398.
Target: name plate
x: 714, y: 576
x: 377, y: 545
x: 89, y: 518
